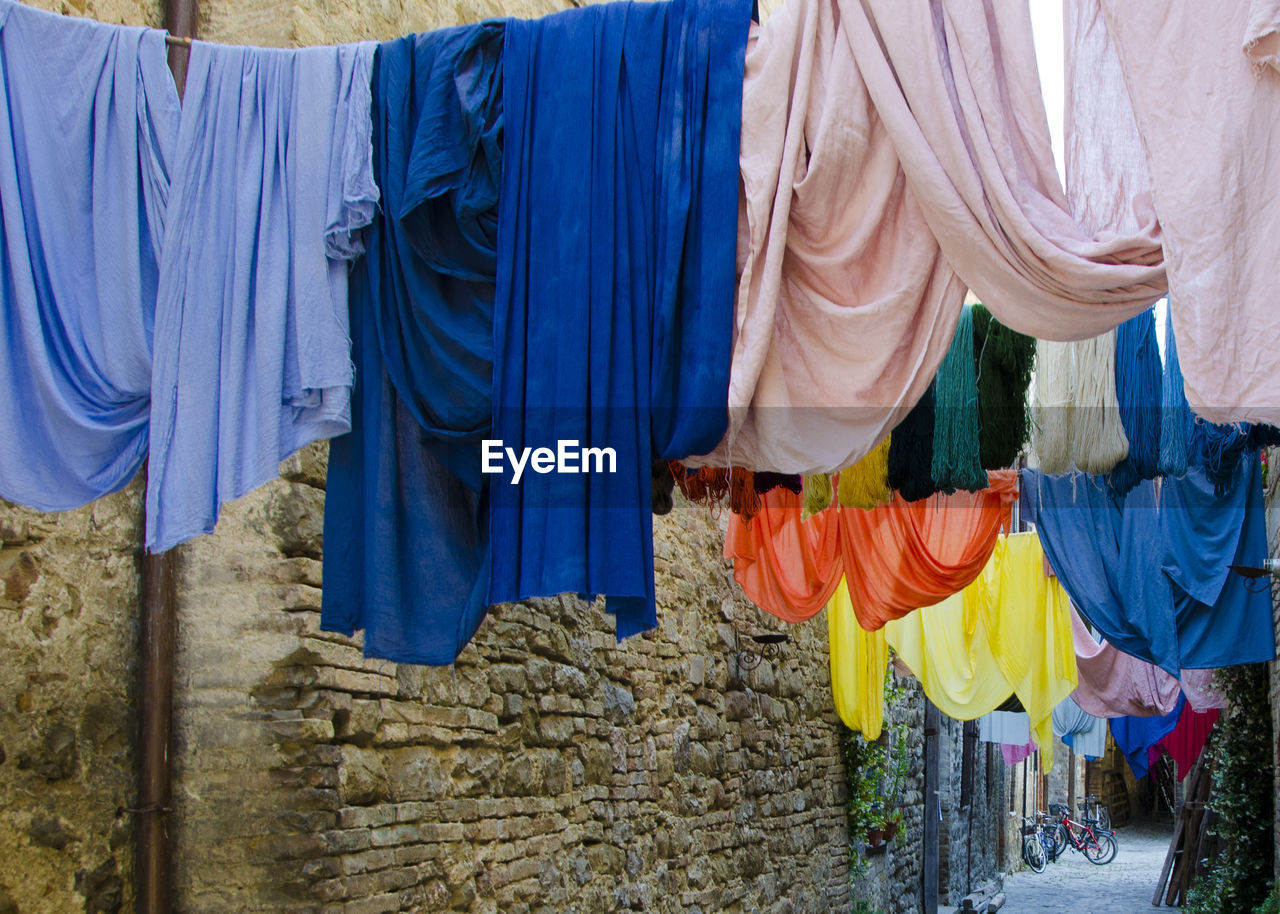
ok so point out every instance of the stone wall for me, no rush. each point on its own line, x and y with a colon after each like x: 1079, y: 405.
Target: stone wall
x: 551, y: 768
x: 971, y: 827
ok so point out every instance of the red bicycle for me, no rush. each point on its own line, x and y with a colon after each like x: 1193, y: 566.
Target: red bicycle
x: 1099, y: 847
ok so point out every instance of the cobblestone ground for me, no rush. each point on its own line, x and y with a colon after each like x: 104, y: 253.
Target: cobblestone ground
x: 1073, y: 885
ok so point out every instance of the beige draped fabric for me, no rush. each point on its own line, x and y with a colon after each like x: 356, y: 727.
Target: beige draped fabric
x: 893, y: 153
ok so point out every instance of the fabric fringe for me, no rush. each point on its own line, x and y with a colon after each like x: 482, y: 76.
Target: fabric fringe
x: 866, y: 483
x: 957, y: 460
x: 1139, y: 391
x: 911, y: 451
x: 1005, y: 360
x: 817, y: 494
x: 1174, y: 411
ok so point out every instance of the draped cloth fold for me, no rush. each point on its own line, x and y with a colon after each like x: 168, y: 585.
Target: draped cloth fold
x: 859, y: 659
x: 613, y: 308
x: 405, y: 543
x: 253, y: 349
x: 1153, y: 577
x: 1135, y: 735
x: 1217, y: 59
x: 89, y: 116
x: 890, y: 146
x: 895, y: 558
x: 1008, y: 631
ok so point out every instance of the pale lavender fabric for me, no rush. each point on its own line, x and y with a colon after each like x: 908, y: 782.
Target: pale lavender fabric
x: 274, y: 178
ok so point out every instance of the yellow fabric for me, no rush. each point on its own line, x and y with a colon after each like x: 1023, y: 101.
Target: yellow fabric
x: 866, y: 483
x: 1008, y: 631
x: 858, y: 662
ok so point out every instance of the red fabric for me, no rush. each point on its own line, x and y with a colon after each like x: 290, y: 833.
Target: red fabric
x: 1186, y: 741
x: 896, y: 558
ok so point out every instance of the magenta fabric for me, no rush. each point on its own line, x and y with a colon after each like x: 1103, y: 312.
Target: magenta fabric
x: 1014, y: 754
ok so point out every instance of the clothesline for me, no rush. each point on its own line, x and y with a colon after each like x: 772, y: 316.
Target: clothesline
x: 176, y: 42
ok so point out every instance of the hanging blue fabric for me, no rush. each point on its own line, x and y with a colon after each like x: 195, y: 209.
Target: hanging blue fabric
x: 614, y: 305
x: 90, y: 121
x: 1154, y: 580
x: 272, y: 186
x: 1174, y: 411
x: 1138, y: 389
x: 406, y: 528
x: 1135, y: 735
x: 1220, y: 619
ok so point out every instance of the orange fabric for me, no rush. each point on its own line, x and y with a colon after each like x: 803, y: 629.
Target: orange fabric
x: 896, y: 558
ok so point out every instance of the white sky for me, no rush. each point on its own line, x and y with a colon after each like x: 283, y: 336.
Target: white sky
x: 1046, y: 24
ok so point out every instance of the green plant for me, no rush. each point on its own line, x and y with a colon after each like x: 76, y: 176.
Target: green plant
x: 863, y: 907
x: 1240, y: 877
x: 1271, y: 905
x: 863, y: 764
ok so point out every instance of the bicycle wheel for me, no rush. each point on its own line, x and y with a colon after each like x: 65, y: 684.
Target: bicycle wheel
x: 1034, y: 855
x: 1059, y: 836
x: 1101, y: 850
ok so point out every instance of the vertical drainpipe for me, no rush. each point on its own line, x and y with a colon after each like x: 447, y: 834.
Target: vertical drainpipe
x: 159, y: 626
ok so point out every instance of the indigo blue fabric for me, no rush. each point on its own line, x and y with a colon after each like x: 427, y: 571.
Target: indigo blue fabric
x: 1152, y: 577
x: 89, y: 115
x: 406, y: 527
x: 1135, y: 735
x: 614, y: 308
x: 1138, y: 378
x: 273, y: 182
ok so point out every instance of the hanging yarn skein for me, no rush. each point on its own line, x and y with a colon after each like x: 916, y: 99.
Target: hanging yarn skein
x: 1173, y: 409
x: 1051, y: 431
x: 866, y: 483
x: 817, y: 495
x: 911, y: 451
x: 1138, y: 389
x: 957, y: 461
x: 1077, y: 414
x: 1005, y: 359
x: 1096, y: 430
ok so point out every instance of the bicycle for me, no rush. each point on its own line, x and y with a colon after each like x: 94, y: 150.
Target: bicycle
x: 1035, y: 843
x: 1098, y: 845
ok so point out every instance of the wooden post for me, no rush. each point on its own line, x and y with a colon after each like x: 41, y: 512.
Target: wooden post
x: 932, y: 808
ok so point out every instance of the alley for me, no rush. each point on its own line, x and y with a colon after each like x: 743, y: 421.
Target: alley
x: 1074, y: 885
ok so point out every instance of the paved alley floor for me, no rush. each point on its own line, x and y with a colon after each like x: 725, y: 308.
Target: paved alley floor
x: 1073, y: 885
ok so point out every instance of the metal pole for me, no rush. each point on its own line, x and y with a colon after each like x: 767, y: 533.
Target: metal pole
x: 159, y: 624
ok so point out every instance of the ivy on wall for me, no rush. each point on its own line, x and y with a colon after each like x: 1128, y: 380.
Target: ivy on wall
x: 1241, y: 876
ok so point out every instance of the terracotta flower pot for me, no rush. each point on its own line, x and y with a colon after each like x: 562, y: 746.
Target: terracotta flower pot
x: 890, y: 829
x: 875, y: 836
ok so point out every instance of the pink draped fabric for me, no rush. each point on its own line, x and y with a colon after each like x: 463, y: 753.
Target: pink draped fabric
x: 1200, y: 80
x: 1114, y: 684
x: 893, y: 153
x: 1014, y: 754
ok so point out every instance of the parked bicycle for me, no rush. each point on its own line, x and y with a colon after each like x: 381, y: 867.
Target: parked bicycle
x: 1036, y: 841
x: 1089, y: 837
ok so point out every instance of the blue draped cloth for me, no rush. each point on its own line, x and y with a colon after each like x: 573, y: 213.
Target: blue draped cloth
x: 252, y: 360
x: 615, y: 292
x: 1152, y: 576
x: 406, y: 529
x: 1135, y: 735
x: 89, y: 115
